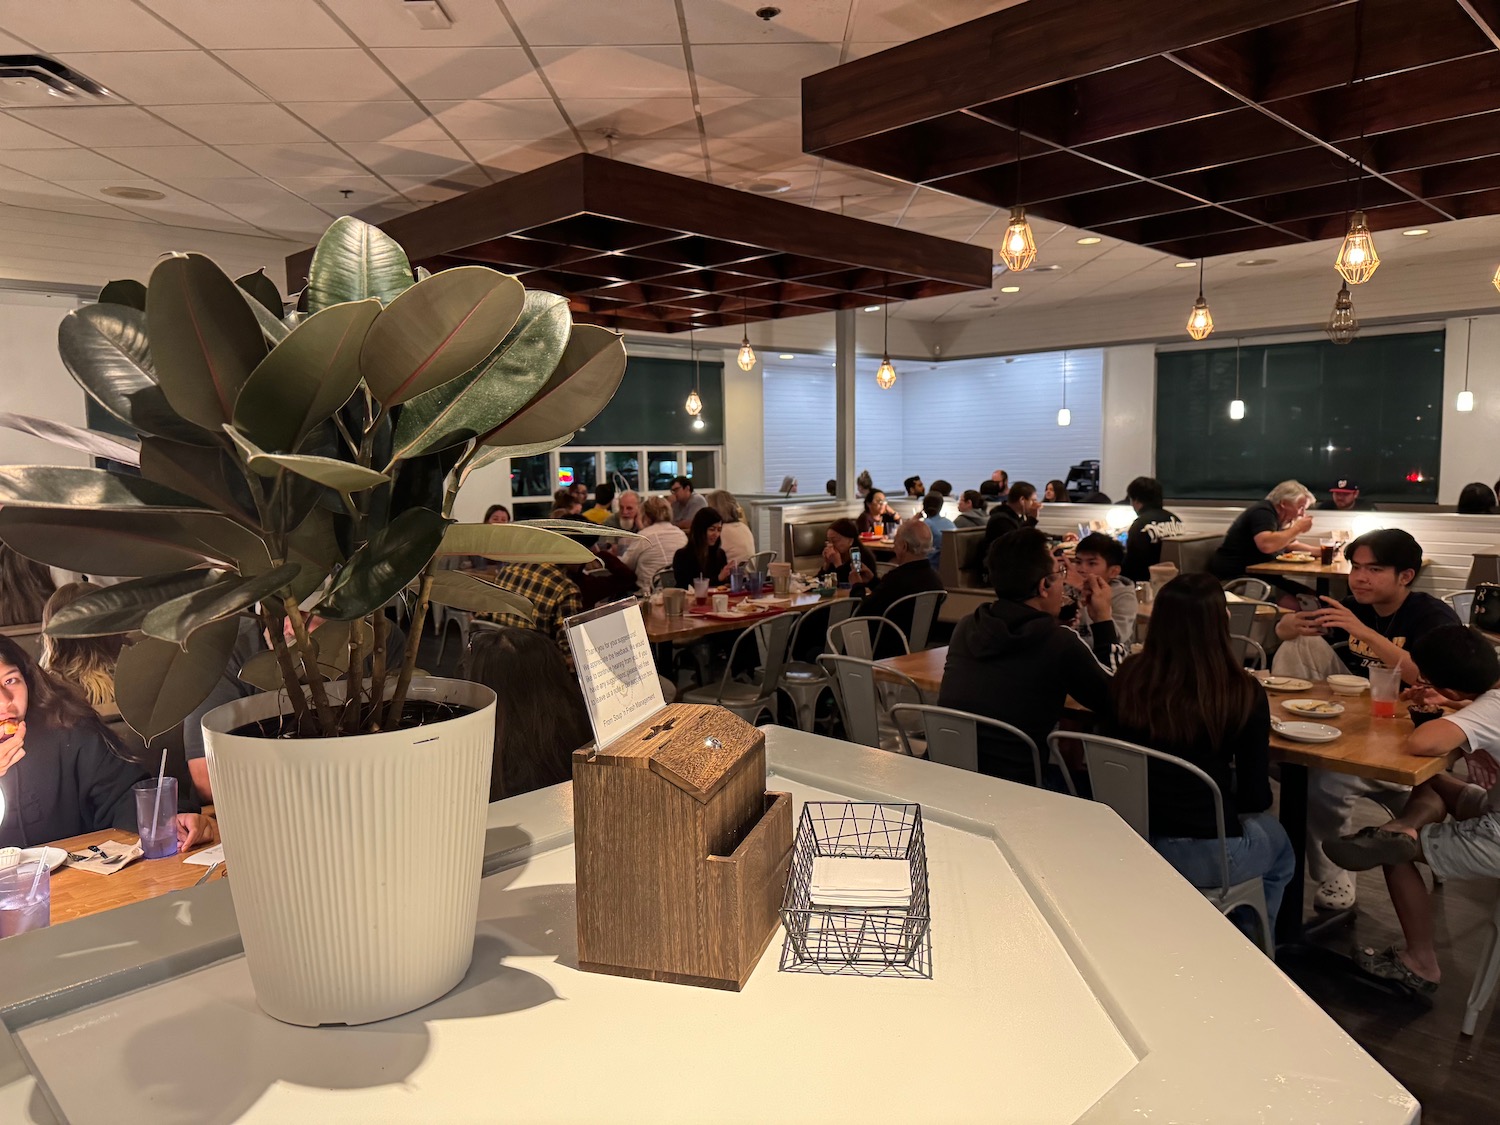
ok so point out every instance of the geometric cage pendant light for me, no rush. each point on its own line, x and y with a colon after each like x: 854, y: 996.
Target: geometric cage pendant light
x: 1343, y: 325
x: 1200, y: 321
x: 1018, y: 245
x: 1358, y: 258
x: 694, y: 404
x: 885, y: 374
x: 746, y: 359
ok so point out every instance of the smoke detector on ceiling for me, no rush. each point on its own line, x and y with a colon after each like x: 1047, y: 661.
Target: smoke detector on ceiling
x: 139, y: 194
x: 36, y: 80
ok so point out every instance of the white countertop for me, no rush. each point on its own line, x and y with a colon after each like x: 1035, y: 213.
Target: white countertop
x: 1076, y: 977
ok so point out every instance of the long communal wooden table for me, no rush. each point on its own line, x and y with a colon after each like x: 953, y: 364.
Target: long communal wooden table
x: 77, y: 894
x: 661, y: 629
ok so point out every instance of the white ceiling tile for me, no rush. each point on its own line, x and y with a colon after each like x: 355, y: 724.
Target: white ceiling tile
x: 863, y: 50
x: 328, y: 191
x: 523, y: 119
x: 176, y: 208
x: 546, y: 23
x: 10, y: 45
x: 452, y: 73
x: 242, y: 189
x: 116, y: 125
x: 63, y: 164
x: 18, y: 134
x: 165, y: 77
x: 753, y: 117
x: 623, y: 72
x: 320, y: 75
x: 640, y: 117
x: 382, y: 23
x: 378, y: 213
x: 410, y: 158
x: 735, y: 21
x: 425, y: 189
x: 244, y: 125
x: 277, y: 161
x: 88, y: 25
x: 665, y: 154
x: 44, y: 196
x: 897, y: 21
x: 297, y: 219
x: 764, y: 69
x: 369, y: 121
x: 528, y: 156
x: 264, y: 23
x: 176, y: 162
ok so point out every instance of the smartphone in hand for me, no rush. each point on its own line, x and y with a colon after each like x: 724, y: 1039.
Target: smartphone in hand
x: 1309, y: 603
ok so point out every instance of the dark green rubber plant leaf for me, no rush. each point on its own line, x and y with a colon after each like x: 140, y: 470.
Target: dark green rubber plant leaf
x: 492, y: 453
x: 315, y: 548
x: 264, y: 290
x: 511, y: 542
x: 579, y: 528
x: 177, y: 620
x: 335, y: 473
x: 584, y: 381
x: 95, y: 444
x: 95, y: 490
x: 205, y: 341
x: 129, y: 543
x: 207, y: 474
x: 379, y: 570
x: 457, y: 590
x: 354, y: 261
x: 158, y: 684
x: 437, y: 330
x: 129, y: 292
x: 122, y: 607
x: 306, y: 378
x: 485, y: 396
x: 273, y: 328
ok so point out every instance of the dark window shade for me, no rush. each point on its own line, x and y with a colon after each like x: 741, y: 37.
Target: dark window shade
x: 647, y: 410
x: 1370, y: 411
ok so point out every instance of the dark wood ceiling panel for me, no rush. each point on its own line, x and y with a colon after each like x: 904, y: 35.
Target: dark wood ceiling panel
x: 1187, y: 128
x: 632, y: 248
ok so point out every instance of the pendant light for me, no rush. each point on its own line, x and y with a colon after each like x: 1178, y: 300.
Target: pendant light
x: 1343, y: 325
x: 1200, y: 321
x: 694, y: 404
x: 746, y: 358
x: 1495, y: 281
x: 1465, y: 404
x: 1018, y: 246
x: 885, y: 374
x: 1357, y: 258
x: 1237, y: 404
x: 1064, y: 415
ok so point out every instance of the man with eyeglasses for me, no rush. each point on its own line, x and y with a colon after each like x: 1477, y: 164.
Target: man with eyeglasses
x: 1378, y: 623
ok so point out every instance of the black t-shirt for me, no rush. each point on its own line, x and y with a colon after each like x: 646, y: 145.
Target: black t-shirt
x: 1238, y: 550
x: 1143, y: 541
x: 1418, y: 615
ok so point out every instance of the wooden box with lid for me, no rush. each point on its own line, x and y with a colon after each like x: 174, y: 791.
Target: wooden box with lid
x: 682, y: 855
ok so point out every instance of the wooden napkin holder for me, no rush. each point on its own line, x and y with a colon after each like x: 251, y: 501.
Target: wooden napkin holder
x: 682, y: 856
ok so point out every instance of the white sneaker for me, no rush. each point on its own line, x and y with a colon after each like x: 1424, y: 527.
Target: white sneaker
x: 1336, y: 894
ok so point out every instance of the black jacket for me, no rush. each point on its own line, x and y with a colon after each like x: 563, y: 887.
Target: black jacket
x: 915, y: 577
x: 1011, y: 662
x: 685, y: 566
x: 1003, y: 520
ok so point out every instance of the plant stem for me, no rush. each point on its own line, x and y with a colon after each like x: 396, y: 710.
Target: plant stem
x: 309, y: 657
x: 377, y: 671
x: 272, y: 622
x: 353, y: 678
x: 413, y: 639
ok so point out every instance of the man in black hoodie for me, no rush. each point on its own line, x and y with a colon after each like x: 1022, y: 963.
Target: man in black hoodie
x: 1012, y: 660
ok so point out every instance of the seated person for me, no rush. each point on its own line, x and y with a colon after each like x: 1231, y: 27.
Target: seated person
x: 659, y: 540
x: 1344, y: 497
x: 1100, y: 557
x: 937, y: 523
x: 540, y: 718
x: 735, y: 537
x: 1001, y: 480
x: 63, y: 773
x: 1461, y: 666
x: 839, y: 544
x: 971, y: 511
x: 1153, y: 523
x: 1379, y: 622
x: 685, y: 503
x: 88, y: 663
x: 604, y: 498
x: 564, y: 501
x: 25, y: 587
x: 941, y: 487
x: 1188, y: 695
x: 702, y: 557
x: 913, y: 574
x: 1476, y: 500
x: 1019, y: 509
x: 629, y: 513
x: 495, y: 513
x: 1262, y: 531
x: 1012, y: 660
x: 873, y: 516
x: 1056, y: 492
x: 914, y: 487
x: 553, y: 595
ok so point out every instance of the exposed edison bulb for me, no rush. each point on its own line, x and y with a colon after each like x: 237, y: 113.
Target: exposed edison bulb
x: 1465, y: 402
x: 1064, y: 417
x: 1343, y: 325
x: 1237, y: 410
x: 885, y: 374
x: 746, y: 358
x: 1200, y: 320
x: 694, y: 404
x: 698, y: 423
x: 1495, y: 281
x: 1018, y: 246
x: 1358, y: 259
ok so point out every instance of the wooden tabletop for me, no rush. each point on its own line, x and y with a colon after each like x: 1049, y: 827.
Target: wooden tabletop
x: 1339, y: 568
x: 690, y: 626
x: 925, y: 667
x: 1144, y: 609
x: 77, y: 894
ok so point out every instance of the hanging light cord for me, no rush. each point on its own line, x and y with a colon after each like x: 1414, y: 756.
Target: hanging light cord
x: 1065, y: 380
x: 1200, y: 279
x: 1468, y: 347
x: 1236, y: 367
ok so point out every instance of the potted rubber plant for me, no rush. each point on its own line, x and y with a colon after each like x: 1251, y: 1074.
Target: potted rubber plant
x: 297, y: 478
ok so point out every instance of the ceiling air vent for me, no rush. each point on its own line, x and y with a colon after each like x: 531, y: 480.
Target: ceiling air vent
x: 36, y: 80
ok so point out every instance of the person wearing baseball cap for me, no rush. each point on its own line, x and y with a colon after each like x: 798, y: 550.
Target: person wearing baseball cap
x: 1345, y: 498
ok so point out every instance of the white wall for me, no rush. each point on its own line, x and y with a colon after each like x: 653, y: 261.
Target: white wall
x: 798, y: 425
x: 33, y: 377
x: 879, y: 427
x: 744, y: 431
x: 1470, y: 451
x: 1129, y: 424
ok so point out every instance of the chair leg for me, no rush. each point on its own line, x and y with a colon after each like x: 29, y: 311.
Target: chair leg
x: 1484, y: 980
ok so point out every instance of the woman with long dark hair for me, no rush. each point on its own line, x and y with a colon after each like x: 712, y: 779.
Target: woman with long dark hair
x: 25, y: 587
x: 62, y: 773
x: 875, y: 511
x: 702, y: 557
x: 1188, y: 695
x: 540, y: 715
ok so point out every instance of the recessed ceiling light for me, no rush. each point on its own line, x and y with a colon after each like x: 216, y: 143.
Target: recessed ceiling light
x: 872, y: 308
x: 768, y: 185
x: 1416, y: 232
x: 138, y: 193
x: 1010, y: 288
x: 1091, y: 240
x: 1257, y: 261
x: 786, y: 355
x: 1185, y: 265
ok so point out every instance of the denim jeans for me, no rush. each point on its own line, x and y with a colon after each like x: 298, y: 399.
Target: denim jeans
x: 1262, y: 849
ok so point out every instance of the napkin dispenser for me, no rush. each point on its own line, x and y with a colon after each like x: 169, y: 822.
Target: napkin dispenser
x: 681, y: 854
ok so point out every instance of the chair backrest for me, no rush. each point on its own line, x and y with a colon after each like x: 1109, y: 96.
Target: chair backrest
x: 1242, y: 617
x: 1119, y: 775
x: 28, y: 636
x: 821, y: 617
x: 924, y: 607
x: 852, y: 637
x: 804, y: 544
x: 960, y: 564
x: 857, y: 696
x: 770, y: 637
x: 760, y: 561
x: 663, y: 578
x: 953, y: 737
x: 1256, y: 589
x: 1190, y: 554
x: 1248, y: 652
x: 1462, y: 602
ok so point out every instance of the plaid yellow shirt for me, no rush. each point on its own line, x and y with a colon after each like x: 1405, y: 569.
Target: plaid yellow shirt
x: 553, y: 595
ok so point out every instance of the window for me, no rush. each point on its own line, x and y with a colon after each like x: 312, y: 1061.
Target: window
x: 575, y: 467
x: 661, y: 468
x: 624, y: 469
x: 531, y: 476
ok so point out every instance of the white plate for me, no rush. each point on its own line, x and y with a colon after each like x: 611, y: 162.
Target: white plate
x: 1305, y: 732
x: 54, y: 857
x: 1313, y: 708
x: 1284, y: 683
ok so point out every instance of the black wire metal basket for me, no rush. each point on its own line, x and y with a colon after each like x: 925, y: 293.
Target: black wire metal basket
x: 852, y: 940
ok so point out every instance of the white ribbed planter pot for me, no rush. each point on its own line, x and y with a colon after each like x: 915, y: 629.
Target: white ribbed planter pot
x: 354, y: 862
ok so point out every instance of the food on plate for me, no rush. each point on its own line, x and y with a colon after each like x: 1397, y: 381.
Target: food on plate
x: 1313, y: 707
x: 1296, y: 557
x: 1285, y: 683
